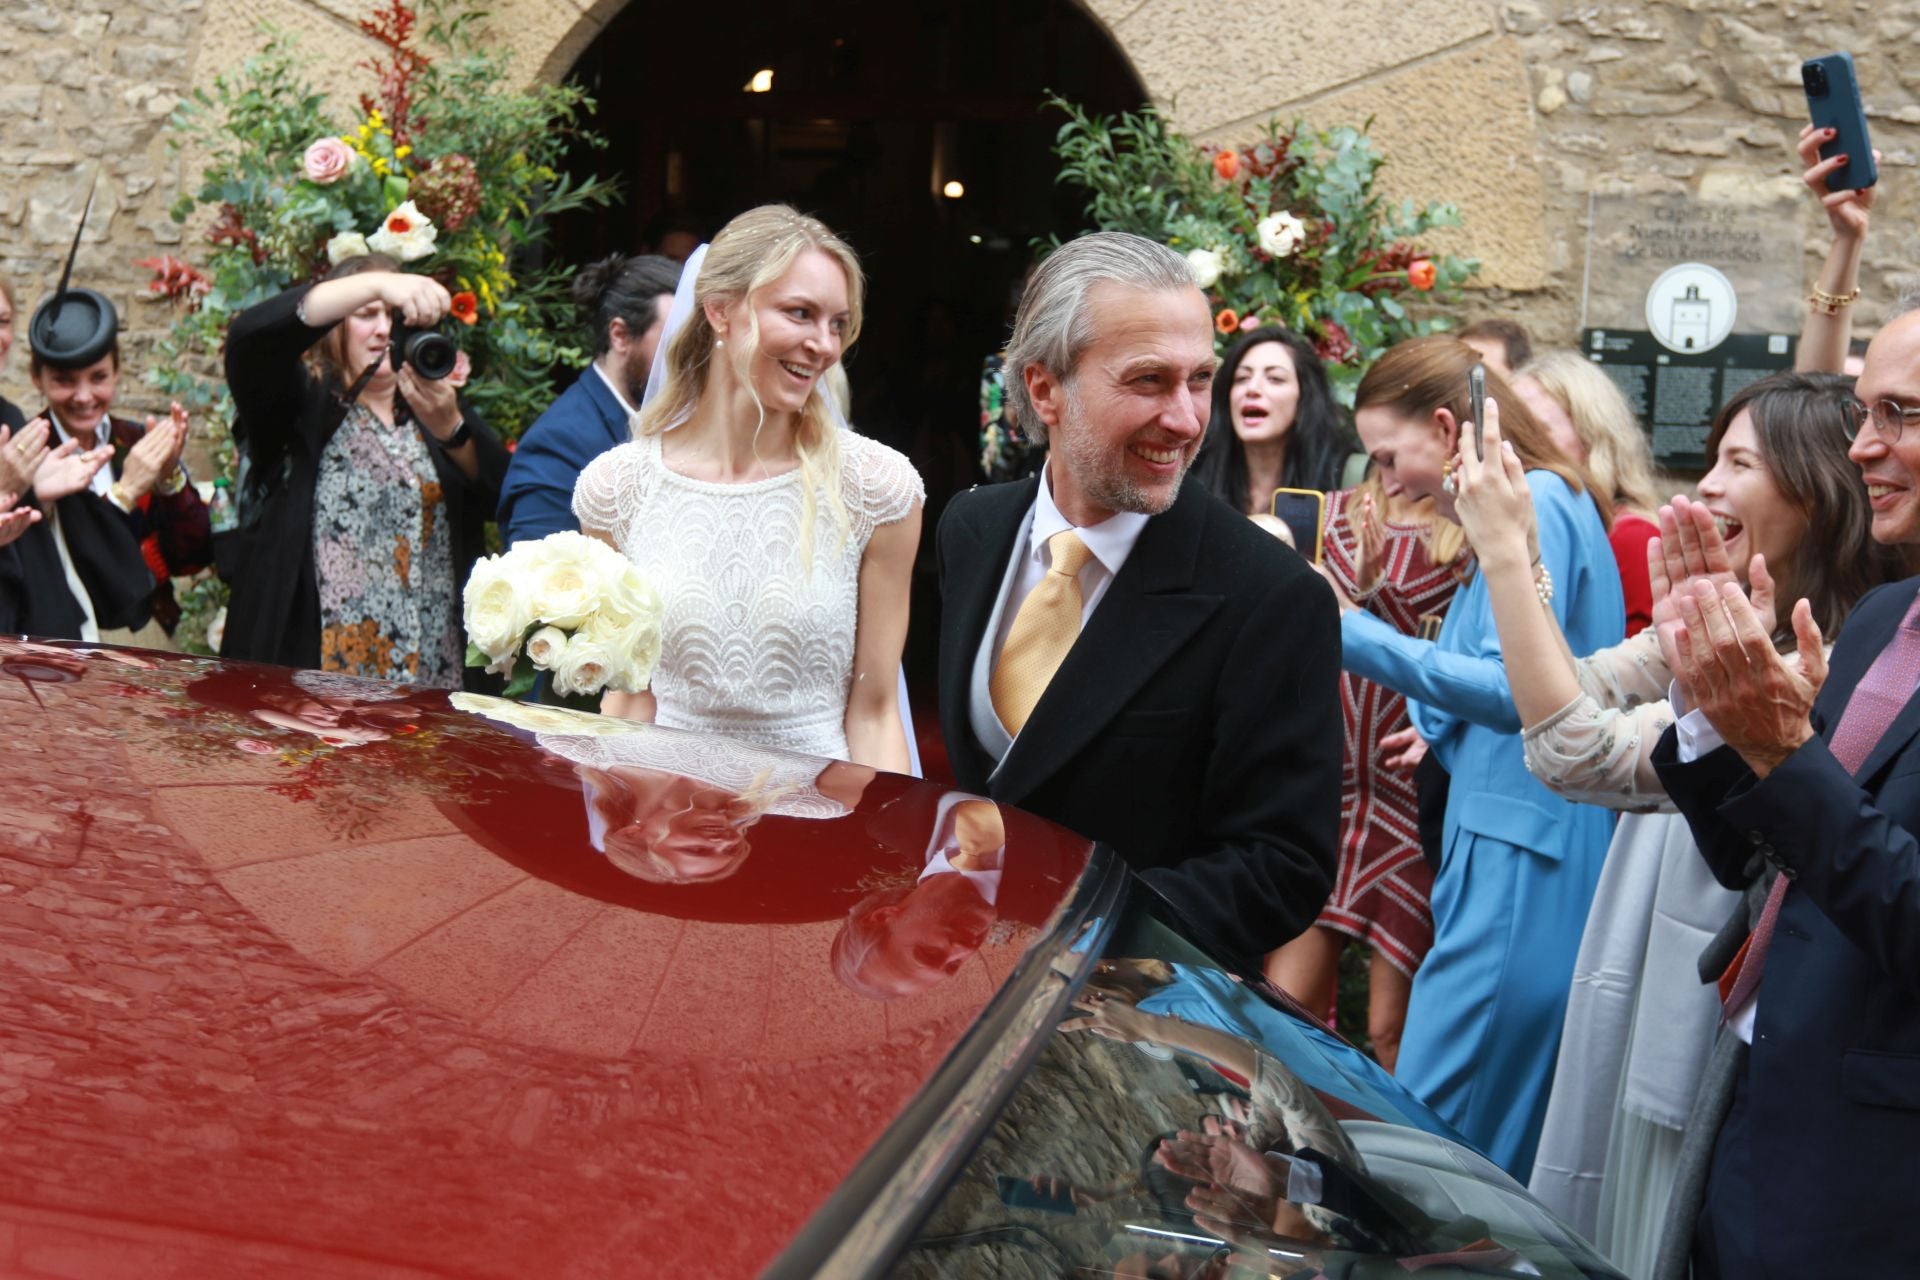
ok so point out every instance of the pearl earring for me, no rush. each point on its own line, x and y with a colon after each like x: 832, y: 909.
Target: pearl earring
x: 719, y: 342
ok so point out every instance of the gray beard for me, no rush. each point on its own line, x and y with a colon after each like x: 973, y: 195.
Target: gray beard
x: 1106, y: 484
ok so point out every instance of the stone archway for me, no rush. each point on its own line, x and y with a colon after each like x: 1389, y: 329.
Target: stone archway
x: 1445, y: 87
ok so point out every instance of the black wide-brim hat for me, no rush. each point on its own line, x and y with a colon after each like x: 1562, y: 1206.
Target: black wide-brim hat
x: 73, y: 328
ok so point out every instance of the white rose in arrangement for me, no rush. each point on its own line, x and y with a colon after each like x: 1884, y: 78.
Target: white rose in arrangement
x: 631, y: 641
x: 1207, y: 266
x: 497, y: 612
x: 545, y: 646
x: 404, y: 234
x: 584, y: 667
x: 1281, y: 233
x: 348, y: 244
x: 566, y: 575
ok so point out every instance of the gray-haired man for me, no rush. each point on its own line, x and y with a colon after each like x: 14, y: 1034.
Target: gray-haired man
x: 1132, y: 659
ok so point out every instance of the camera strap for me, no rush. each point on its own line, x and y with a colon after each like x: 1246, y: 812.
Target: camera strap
x: 366, y: 375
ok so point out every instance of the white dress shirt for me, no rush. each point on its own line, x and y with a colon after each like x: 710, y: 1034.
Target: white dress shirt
x: 101, y: 483
x: 613, y: 387
x: 1695, y: 736
x: 1111, y: 542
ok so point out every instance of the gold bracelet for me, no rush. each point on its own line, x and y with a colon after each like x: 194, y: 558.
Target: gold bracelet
x: 1828, y: 304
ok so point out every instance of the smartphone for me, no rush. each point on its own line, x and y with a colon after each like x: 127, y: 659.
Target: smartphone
x: 1477, y: 406
x: 1020, y: 1193
x: 1304, y: 512
x: 1833, y: 102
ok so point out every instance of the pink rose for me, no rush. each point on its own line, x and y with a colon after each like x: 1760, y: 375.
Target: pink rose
x: 327, y: 161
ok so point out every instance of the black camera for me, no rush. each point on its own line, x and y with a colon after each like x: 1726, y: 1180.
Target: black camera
x: 430, y: 352
x: 1813, y: 77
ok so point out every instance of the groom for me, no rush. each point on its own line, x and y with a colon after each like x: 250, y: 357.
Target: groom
x: 1134, y: 661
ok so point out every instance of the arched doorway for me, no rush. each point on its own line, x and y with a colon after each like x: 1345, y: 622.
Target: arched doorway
x: 871, y: 110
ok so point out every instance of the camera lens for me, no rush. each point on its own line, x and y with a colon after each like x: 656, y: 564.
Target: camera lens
x: 1814, y: 77
x: 432, y: 355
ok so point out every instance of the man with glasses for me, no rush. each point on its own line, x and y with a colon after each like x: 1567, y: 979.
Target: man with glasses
x: 1815, y: 1168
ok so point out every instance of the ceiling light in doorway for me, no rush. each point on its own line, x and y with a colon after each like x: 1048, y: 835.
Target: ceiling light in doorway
x: 762, y: 81
x: 954, y: 189
x: 973, y: 239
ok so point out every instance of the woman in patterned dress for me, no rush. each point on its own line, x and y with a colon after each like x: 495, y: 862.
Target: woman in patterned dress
x: 362, y: 514
x: 781, y: 545
x: 1403, y: 566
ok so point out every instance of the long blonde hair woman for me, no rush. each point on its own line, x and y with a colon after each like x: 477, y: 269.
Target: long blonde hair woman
x: 782, y: 545
x: 1593, y: 424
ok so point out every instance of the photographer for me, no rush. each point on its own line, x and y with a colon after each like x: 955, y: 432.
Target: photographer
x: 368, y: 481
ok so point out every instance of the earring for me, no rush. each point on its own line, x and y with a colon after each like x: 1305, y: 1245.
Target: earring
x: 1447, y: 485
x: 719, y: 342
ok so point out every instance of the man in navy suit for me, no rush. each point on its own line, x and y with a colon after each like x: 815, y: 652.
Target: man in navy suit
x: 1818, y: 782
x: 625, y: 300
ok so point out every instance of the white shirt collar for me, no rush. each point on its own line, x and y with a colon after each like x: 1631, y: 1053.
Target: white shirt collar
x: 595, y: 366
x: 1111, y: 541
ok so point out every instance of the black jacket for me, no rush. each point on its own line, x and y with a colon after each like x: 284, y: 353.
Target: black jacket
x: 1832, y: 1151
x: 284, y: 419
x: 1194, y: 726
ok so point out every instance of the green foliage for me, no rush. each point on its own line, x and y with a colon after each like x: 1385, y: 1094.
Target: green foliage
x: 439, y: 128
x: 1288, y: 230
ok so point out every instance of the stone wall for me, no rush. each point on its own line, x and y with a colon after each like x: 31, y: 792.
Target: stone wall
x: 1518, y: 111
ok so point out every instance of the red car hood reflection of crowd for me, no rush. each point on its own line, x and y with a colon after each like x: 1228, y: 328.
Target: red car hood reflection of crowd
x: 384, y: 999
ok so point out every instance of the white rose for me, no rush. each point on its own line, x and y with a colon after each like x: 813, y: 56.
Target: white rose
x: 217, y: 630
x: 565, y: 576
x: 404, y: 234
x: 545, y: 647
x: 348, y: 244
x: 1207, y: 266
x: 1281, y: 234
x: 496, y: 612
x: 583, y: 667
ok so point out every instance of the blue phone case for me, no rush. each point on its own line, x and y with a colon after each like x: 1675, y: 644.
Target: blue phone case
x: 1833, y: 102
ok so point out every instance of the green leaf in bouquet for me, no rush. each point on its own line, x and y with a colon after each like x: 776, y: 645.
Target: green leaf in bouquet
x: 520, y: 683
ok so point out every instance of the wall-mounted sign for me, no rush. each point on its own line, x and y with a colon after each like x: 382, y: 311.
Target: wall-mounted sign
x: 1676, y: 392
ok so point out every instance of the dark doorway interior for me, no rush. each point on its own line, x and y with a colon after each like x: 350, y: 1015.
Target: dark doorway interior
x: 872, y: 109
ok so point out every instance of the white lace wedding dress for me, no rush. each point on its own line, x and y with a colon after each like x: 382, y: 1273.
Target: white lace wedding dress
x: 753, y: 644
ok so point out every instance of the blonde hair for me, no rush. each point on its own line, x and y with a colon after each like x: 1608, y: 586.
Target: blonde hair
x: 1618, y: 456
x: 750, y: 253
x: 1445, y: 540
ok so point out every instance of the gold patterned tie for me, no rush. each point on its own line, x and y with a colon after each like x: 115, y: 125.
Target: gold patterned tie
x: 1043, y: 631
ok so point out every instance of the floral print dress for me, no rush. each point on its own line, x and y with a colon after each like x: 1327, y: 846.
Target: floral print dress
x: 383, y: 553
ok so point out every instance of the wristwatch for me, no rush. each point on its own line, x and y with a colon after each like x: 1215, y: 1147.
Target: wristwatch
x: 461, y: 435
x: 176, y: 481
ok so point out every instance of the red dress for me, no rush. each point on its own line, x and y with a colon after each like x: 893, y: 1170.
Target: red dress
x: 1381, y: 888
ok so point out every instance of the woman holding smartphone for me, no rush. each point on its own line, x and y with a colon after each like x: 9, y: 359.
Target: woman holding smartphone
x: 1518, y: 863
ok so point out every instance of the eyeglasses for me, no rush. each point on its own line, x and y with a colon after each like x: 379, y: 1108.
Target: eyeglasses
x: 1889, y: 417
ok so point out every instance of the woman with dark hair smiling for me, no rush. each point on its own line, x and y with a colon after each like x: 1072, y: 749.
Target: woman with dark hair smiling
x: 1797, y: 525
x: 1275, y: 424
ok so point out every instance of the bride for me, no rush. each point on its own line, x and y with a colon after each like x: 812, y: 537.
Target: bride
x: 781, y: 545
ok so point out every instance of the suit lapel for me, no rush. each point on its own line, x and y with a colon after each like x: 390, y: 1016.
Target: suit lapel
x: 1904, y: 725
x: 1147, y: 614
x: 975, y: 556
x: 612, y: 416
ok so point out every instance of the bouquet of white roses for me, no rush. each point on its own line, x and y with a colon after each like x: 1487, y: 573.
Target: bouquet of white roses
x: 566, y: 604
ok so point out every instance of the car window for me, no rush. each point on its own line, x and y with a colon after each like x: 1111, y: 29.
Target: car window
x: 1182, y: 1123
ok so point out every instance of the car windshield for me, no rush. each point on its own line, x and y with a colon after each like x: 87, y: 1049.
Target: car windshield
x: 1180, y: 1122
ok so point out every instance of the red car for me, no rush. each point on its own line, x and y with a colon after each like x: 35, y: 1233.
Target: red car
x: 302, y: 975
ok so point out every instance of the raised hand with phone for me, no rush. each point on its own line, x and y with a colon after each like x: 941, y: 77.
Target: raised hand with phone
x: 1828, y: 148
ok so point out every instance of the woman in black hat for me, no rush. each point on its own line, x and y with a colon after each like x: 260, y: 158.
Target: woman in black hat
x: 369, y: 482
x: 74, y: 361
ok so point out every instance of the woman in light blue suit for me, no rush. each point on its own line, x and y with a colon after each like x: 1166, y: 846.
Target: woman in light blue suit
x: 1518, y: 863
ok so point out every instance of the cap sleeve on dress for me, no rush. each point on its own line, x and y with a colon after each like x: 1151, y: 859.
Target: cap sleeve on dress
x: 596, y: 495
x: 890, y: 488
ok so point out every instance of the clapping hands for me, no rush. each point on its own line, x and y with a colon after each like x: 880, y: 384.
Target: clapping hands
x: 67, y: 470
x: 156, y: 455
x: 1719, y: 644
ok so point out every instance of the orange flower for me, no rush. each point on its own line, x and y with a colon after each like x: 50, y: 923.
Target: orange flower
x: 1421, y: 274
x: 1227, y: 165
x: 1227, y: 321
x: 399, y: 224
x: 466, y: 308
